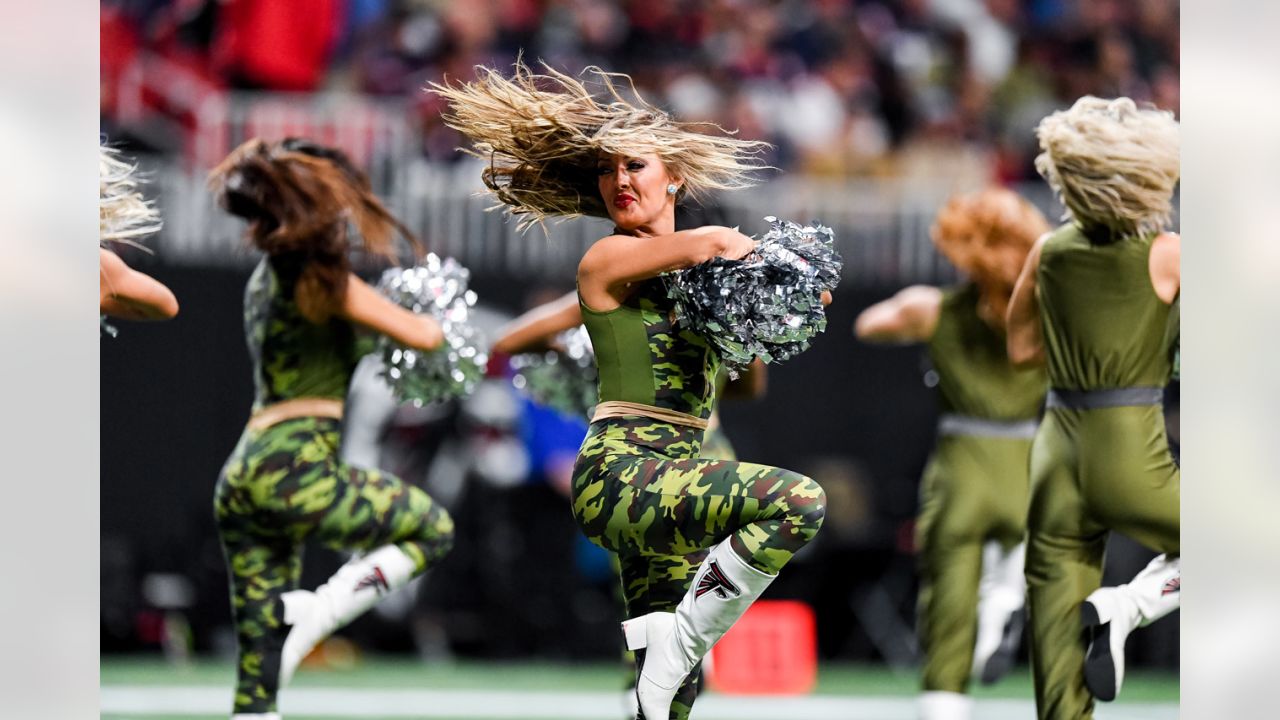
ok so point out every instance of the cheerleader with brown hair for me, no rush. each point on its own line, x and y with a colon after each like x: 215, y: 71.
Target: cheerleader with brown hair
x: 284, y: 483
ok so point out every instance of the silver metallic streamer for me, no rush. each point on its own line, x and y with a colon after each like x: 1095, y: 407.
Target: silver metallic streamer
x: 766, y: 305
x: 564, y: 379
x: 438, y: 288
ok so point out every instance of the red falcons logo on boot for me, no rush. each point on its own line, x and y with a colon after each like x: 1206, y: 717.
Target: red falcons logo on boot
x: 1171, y: 586
x: 375, y: 580
x: 714, y: 580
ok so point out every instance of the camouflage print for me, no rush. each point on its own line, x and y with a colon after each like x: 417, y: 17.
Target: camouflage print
x: 641, y: 489
x: 684, y: 365
x: 281, y: 486
x: 658, y: 583
x: 644, y: 356
x: 292, y: 357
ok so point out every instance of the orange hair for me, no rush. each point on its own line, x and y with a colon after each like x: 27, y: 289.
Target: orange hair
x: 987, y: 236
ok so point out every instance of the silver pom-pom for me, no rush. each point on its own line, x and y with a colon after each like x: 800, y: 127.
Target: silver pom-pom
x: 106, y: 329
x: 438, y: 288
x: 563, y: 379
x: 766, y: 305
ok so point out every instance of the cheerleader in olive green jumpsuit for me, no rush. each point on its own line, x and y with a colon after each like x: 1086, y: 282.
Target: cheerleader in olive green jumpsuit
x: 284, y: 482
x: 1096, y: 303
x: 975, y: 488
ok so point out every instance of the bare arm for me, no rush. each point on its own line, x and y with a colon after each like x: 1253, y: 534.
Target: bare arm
x: 618, y: 260
x: 533, y: 330
x: 126, y: 293
x: 1022, y: 324
x: 908, y: 317
x: 364, y: 306
x: 1165, y: 266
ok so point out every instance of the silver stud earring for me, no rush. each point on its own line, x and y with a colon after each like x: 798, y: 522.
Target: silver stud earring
x: 671, y: 189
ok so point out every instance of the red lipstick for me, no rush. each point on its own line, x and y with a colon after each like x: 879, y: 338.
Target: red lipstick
x: 622, y: 201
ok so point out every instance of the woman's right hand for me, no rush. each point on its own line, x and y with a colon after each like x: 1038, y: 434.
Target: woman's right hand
x: 737, y: 245
x: 432, y: 335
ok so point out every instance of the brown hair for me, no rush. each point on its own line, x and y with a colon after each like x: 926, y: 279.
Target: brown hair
x: 987, y: 236
x: 299, y: 197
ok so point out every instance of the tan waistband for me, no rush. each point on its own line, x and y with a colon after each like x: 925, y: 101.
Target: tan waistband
x: 276, y: 413
x: 621, y: 408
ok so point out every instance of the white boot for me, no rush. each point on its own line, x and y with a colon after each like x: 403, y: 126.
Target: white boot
x: 630, y: 706
x: 256, y: 716
x: 939, y: 705
x: 1002, y: 597
x: 352, y: 590
x: 1110, y: 614
x: 723, y: 589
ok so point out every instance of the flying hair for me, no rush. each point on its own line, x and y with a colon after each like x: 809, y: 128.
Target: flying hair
x: 299, y: 198
x: 124, y: 215
x: 541, y: 135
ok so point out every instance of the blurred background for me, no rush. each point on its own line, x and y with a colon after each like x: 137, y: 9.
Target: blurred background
x: 877, y: 112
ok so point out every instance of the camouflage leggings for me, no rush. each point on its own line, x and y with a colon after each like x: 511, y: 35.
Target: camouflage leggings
x: 641, y: 490
x: 281, y: 486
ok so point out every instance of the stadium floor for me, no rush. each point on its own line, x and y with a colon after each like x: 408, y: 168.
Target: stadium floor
x: 383, y: 689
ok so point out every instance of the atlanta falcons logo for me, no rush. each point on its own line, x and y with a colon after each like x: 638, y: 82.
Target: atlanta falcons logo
x: 714, y: 580
x: 375, y: 580
x: 1171, y: 586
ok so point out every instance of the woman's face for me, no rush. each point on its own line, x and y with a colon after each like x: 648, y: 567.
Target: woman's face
x: 634, y: 189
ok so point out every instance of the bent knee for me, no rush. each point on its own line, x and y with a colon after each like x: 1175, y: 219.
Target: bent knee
x: 807, y: 503
x: 440, y: 533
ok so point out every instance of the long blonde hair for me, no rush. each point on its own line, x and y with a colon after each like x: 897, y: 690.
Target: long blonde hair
x: 124, y: 215
x: 987, y: 236
x: 541, y: 145
x: 1113, y: 164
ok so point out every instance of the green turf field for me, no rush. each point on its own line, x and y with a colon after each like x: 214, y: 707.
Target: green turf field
x: 381, y: 689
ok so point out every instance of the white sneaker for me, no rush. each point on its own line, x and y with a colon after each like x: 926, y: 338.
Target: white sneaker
x: 353, y: 589
x: 939, y: 705
x: 673, y: 643
x: 1109, y: 614
x: 1001, y: 611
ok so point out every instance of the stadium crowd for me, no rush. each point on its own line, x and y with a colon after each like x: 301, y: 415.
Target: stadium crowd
x: 843, y: 88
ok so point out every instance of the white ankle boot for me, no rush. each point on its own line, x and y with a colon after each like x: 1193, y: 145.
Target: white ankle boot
x: 938, y: 705
x: 1109, y: 614
x: 353, y: 589
x: 722, y: 590
x: 1002, y: 598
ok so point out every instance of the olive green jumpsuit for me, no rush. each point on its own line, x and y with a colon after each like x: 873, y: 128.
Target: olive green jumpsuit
x: 975, y: 486
x: 1100, y: 460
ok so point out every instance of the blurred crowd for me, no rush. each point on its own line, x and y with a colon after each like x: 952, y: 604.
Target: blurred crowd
x: 846, y: 88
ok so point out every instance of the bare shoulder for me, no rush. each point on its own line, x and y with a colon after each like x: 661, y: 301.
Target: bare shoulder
x: 1167, y: 242
x: 597, y: 253
x: 1165, y: 265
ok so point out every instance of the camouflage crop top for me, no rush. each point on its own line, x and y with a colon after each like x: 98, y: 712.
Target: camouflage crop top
x: 644, y: 357
x: 293, y: 357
